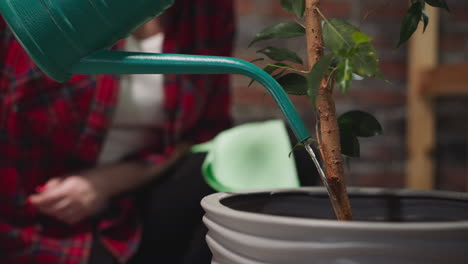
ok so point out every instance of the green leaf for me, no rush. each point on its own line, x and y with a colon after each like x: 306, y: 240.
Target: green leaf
x: 256, y: 60
x: 410, y: 22
x: 299, y: 7
x: 359, y: 37
x: 365, y: 61
x: 360, y: 123
x: 337, y: 36
x: 347, y: 41
x: 294, y: 6
x: 293, y: 83
x: 251, y: 82
x: 315, y: 76
x: 281, y: 54
x: 438, y: 3
x: 354, y: 124
x: 344, y: 75
x: 270, y: 68
x: 276, y: 76
x: 280, y: 31
x: 425, y: 19
x: 349, y: 143
x: 287, y: 5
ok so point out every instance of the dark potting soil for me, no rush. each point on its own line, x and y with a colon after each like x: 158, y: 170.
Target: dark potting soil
x: 380, y: 208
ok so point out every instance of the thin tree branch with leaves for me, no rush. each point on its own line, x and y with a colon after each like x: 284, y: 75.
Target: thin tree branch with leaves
x: 337, y: 53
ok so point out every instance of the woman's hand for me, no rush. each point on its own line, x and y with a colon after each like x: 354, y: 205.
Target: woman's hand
x: 74, y: 198
x: 70, y: 199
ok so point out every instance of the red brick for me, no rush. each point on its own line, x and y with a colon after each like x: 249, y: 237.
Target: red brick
x: 243, y: 7
x: 459, y: 14
x: 374, y: 97
x: 452, y: 42
x: 384, y: 41
x: 278, y: 11
x: 384, y: 12
x: 452, y: 178
x: 335, y: 9
x: 394, y: 70
x: 257, y: 94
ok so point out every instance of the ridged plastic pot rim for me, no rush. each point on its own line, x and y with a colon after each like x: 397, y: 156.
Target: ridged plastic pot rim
x: 220, y: 250
x: 212, y: 205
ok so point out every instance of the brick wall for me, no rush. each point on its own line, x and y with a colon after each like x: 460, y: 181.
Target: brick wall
x: 382, y: 161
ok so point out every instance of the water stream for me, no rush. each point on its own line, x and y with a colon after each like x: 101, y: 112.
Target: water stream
x: 323, y: 178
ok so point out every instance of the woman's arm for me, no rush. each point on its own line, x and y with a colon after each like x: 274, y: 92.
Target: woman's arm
x: 127, y: 176
x: 75, y: 197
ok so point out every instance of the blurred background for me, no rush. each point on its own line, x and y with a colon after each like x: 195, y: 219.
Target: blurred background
x: 384, y: 159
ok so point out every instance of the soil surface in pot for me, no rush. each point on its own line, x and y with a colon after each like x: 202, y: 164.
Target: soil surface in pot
x: 366, y: 207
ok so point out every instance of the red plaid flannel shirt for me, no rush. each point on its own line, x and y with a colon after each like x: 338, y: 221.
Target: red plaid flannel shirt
x: 50, y: 129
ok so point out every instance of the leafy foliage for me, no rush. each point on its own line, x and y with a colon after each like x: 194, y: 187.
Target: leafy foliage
x: 348, y: 42
x: 425, y: 19
x: 344, y: 75
x: 414, y: 15
x: 411, y: 22
x: 281, y: 54
x: 350, y: 54
x: 354, y: 124
x: 353, y: 51
x: 270, y: 68
x: 349, y: 144
x: 294, y: 6
x: 257, y: 59
x: 280, y: 31
x: 360, y: 123
x: 293, y: 83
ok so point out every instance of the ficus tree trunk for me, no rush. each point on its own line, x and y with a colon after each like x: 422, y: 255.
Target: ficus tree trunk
x: 329, y: 134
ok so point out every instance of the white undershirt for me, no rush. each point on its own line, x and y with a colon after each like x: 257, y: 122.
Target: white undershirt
x: 139, y: 107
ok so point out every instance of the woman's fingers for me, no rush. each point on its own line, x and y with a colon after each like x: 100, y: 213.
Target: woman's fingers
x: 53, y: 198
x: 52, y: 183
x: 48, y: 197
x: 65, y: 210
x: 45, y: 197
x: 62, y: 206
x: 70, y: 199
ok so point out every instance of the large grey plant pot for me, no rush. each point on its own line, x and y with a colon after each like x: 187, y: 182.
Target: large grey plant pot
x: 296, y: 226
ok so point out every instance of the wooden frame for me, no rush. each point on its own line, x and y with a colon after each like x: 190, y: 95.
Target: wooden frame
x: 428, y: 80
x: 422, y: 57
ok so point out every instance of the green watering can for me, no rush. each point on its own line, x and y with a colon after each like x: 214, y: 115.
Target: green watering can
x: 66, y: 37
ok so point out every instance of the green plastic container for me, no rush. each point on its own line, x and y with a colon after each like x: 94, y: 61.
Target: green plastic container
x: 66, y: 37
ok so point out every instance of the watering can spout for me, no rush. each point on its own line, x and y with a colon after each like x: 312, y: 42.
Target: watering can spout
x: 66, y: 37
x: 117, y: 62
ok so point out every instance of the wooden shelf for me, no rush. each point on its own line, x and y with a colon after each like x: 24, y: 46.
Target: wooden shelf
x: 445, y: 80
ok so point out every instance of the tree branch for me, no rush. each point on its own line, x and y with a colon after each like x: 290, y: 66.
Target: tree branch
x: 329, y: 144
